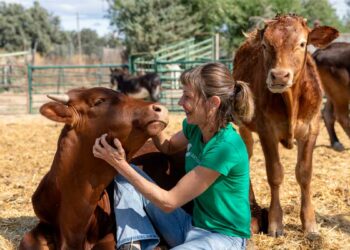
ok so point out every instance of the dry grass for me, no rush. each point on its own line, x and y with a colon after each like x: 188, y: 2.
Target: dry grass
x: 28, y: 144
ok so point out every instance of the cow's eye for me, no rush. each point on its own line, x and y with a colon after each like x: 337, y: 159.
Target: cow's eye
x: 99, y: 101
x: 264, y: 46
x: 302, y: 44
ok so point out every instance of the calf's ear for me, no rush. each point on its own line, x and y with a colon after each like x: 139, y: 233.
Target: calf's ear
x: 322, y: 36
x: 57, y: 112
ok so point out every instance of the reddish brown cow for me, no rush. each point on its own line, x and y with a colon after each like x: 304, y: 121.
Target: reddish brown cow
x: 71, y: 201
x: 286, y: 85
x: 333, y: 63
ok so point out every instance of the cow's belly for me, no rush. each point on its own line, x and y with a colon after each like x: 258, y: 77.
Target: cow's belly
x: 141, y: 94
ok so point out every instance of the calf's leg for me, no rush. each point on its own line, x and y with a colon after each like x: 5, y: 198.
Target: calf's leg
x: 259, y: 218
x: 275, y: 174
x: 303, y: 173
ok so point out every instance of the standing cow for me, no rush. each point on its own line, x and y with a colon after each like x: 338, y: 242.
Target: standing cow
x: 288, y: 96
x: 71, y: 202
x: 333, y: 63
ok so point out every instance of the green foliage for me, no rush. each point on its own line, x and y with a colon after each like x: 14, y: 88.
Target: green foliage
x: 90, y: 42
x: 321, y: 10
x: 21, y: 29
x: 146, y: 25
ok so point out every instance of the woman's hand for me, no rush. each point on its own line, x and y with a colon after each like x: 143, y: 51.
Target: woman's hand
x: 114, y: 156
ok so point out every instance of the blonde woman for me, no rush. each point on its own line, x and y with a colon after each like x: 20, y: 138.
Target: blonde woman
x: 217, y: 172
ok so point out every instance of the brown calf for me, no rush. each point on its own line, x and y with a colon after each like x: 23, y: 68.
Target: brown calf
x: 286, y: 86
x: 333, y: 64
x: 71, y: 202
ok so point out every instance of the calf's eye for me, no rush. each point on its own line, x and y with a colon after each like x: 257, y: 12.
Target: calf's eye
x: 302, y: 44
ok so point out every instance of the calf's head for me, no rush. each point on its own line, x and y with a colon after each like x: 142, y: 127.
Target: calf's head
x: 284, y: 43
x: 92, y: 112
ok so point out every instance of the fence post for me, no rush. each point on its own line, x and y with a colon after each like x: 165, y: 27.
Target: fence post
x: 29, y: 93
x: 216, y: 47
x: 131, y: 64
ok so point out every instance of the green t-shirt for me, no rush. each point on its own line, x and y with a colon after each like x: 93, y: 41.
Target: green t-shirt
x: 224, y: 206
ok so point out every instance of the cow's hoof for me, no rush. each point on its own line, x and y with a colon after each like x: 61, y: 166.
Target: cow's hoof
x: 337, y: 146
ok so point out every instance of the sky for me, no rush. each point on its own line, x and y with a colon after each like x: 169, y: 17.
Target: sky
x: 92, y: 12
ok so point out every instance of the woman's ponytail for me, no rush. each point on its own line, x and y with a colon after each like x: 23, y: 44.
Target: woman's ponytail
x: 243, y: 103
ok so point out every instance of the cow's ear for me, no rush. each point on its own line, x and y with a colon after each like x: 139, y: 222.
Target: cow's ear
x: 58, y: 112
x: 322, y: 36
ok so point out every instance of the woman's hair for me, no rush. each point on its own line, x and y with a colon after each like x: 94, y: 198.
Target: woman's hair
x: 215, y: 79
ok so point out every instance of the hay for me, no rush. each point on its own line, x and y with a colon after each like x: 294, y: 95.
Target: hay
x: 28, y: 144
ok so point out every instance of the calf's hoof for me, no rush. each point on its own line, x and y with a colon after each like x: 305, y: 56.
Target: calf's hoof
x: 275, y: 230
x: 337, y: 146
x: 311, y: 228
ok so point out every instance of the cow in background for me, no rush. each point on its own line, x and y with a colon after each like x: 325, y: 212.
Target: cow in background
x: 139, y: 87
x: 284, y: 80
x: 333, y: 63
x: 175, y: 73
x: 71, y: 201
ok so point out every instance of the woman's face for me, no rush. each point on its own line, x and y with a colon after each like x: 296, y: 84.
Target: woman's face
x: 193, y: 106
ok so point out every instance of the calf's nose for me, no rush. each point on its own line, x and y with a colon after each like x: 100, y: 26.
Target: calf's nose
x: 280, y: 76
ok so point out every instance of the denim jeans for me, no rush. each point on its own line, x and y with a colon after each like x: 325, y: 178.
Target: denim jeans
x: 138, y: 219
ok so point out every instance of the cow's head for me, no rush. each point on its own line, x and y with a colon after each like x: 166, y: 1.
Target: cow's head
x: 153, y: 84
x: 284, y: 43
x: 92, y: 112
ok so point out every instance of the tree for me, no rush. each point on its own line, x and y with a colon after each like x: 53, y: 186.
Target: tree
x: 321, y: 10
x: 146, y: 25
x: 22, y: 28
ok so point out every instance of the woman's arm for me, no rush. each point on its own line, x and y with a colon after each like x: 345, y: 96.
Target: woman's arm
x: 170, y: 145
x: 190, y: 186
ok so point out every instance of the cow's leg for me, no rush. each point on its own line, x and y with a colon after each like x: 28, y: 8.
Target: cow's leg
x: 275, y: 174
x: 39, y: 238
x: 343, y: 116
x: 329, y: 120
x: 303, y: 174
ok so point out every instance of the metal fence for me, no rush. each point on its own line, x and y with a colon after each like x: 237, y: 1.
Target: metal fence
x: 58, y: 79
x: 23, y: 89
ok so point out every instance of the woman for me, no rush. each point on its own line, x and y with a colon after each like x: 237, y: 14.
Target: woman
x: 217, y: 172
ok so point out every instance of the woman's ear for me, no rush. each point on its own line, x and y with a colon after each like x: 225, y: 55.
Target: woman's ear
x: 215, y: 101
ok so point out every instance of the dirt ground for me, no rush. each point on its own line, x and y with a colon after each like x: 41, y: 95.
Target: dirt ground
x: 28, y: 144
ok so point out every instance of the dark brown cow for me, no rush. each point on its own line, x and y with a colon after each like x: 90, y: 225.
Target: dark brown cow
x: 333, y: 63
x: 286, y: 85
x: 71, y: 201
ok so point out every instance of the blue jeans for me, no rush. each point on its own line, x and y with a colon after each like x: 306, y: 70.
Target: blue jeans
x: 138, y: 219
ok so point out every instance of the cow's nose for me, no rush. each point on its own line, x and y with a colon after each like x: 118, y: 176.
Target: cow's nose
x: 159, y: 108
x: 280, y: 76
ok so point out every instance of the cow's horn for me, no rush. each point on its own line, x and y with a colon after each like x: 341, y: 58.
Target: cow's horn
x: 59, y: 98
